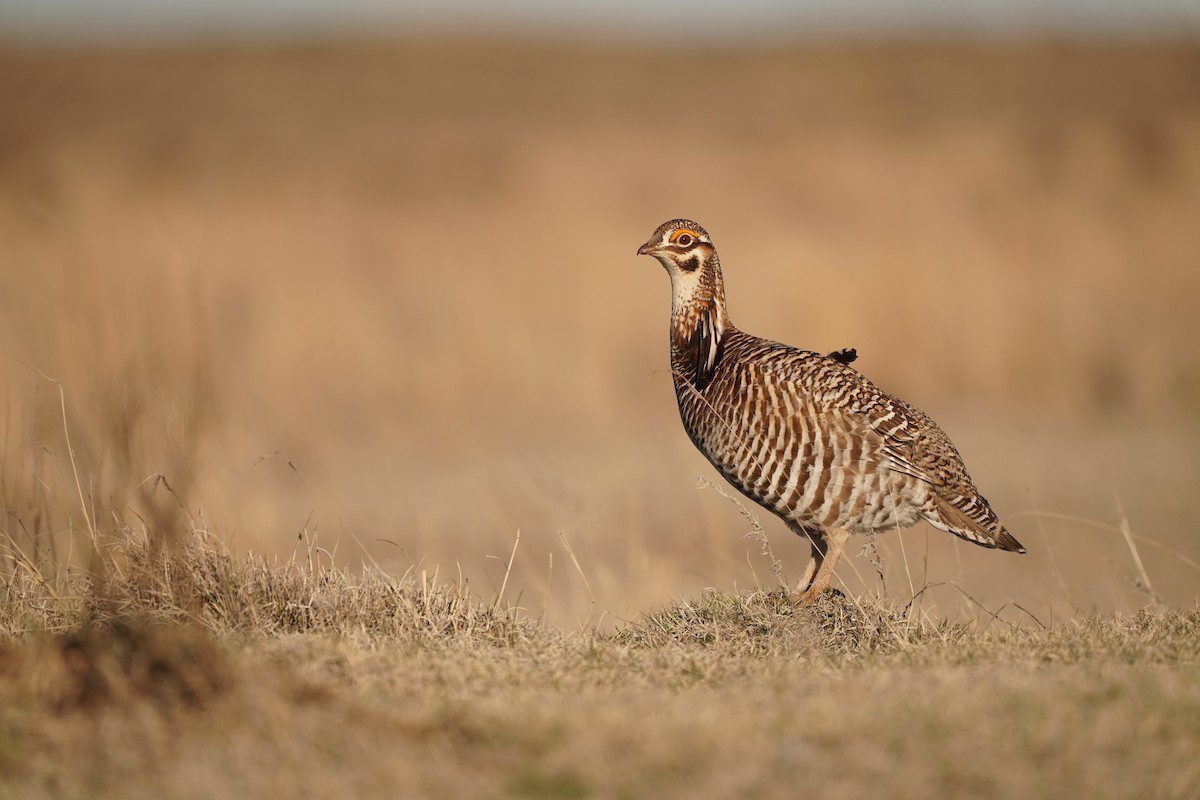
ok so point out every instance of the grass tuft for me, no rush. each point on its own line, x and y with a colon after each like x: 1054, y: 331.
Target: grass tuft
x: 202, y: 583
x: 769, y: 623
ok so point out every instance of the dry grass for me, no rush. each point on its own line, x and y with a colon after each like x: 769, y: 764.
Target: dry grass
x: 198, y: 673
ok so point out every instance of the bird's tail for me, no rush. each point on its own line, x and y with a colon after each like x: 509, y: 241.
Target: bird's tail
x: 973, y: 520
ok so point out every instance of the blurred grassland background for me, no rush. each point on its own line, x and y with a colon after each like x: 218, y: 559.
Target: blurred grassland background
x: 385, y: 294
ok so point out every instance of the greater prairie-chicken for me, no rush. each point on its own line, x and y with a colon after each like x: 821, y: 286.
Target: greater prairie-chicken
x: 804, y: 435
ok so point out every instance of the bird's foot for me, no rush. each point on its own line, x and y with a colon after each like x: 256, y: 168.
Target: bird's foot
x: 814, y: 594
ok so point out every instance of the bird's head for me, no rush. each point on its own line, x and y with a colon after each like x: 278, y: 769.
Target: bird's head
x: 682, y: 246
x: 685, y: 249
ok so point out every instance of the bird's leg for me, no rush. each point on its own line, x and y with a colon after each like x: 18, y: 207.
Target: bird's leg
x: 827, y: 550
x: 816, y: 541
x: 814, y: 560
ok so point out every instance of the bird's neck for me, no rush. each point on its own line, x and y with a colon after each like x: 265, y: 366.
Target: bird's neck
x: 699, y: 324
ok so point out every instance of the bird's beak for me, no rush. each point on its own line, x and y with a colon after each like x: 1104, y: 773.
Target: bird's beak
x: 648, y: 249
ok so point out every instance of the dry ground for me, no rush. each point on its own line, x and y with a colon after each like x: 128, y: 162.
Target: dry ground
x: 369, y: 310
x: 204, y: 675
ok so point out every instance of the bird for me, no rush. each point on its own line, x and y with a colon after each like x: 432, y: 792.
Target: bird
x: 805, y: 435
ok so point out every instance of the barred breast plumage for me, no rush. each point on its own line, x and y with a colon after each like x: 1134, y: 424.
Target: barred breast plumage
x: 805, y: 435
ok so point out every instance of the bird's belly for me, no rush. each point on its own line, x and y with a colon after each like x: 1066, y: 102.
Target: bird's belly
x: 820, y: 480
x: 838, y: 498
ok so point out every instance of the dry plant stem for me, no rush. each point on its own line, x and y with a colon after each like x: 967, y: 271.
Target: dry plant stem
x: 507, y: 571
x: 1137, y: 558
x: 1051, y: 558
x: 549, y: 583
x: 425, y: 593
x: 994, y: 615
x: 571, y: 552
x: 1137, y: 537
x: 870, y: 551
x: 757, y: 532
x: 904, y: 557
x: 62, y: 401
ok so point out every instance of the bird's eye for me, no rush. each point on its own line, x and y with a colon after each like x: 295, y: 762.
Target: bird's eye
x: 684, y: 240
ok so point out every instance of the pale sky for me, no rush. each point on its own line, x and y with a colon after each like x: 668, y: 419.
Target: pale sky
x: 643, y: 21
